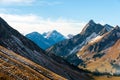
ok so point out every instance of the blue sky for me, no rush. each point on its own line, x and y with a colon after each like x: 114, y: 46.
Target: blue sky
x: 67, y: 16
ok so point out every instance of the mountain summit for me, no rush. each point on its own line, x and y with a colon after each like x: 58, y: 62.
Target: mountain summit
x: 39, y: 39
x: 46, y: 39
x: 91, y: 27
x: 54, y: 36
x: 91, y: 22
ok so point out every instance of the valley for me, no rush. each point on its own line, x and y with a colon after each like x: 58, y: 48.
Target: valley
x: 86, y: 56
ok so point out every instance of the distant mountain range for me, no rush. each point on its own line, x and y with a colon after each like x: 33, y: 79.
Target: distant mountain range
x: 46, y: 39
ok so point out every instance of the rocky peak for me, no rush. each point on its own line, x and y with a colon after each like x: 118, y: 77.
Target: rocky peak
x: 117, y: 28
x: 108, y: 27
x: 1, y: 20
x: 3, y: 23
x: 91, y: 27
x: 54, y: 34
x: 69, y: 36
x: 51, y: 33
x: 91, y: 22
x: 54, y: 31
x: 34, y: 34
x: 4, y: 29
x: 116, y: 32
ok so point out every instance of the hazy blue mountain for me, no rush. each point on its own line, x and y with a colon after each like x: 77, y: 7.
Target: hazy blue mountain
x: 54, y: 36
x: 46, y: 39
x: 39, y: 40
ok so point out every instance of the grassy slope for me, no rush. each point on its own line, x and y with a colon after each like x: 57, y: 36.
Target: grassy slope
x: 106, y: 78
x: 103, y: 64
x: 13, y: 67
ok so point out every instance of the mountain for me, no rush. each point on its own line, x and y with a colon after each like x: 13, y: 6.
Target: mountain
x: 12, y: 40
x: 97, y: 51
x: 47, y: 39
x: 54, y: 36
x: 16, y: 67
x: 68, y: 48
x: 39, y: 40
x: 69, y: 36
x: 102, y: 55
x: 108, y: 27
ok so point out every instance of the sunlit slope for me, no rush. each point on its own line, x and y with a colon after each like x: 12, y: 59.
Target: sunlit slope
x: 15, y: 67
x: 103, y: 55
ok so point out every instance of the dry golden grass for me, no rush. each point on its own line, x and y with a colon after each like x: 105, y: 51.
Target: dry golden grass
x: 106, y: 78
x: 18, y: 67
x: 3, y: 76
x: 102, y: 64
x: 115, y: 49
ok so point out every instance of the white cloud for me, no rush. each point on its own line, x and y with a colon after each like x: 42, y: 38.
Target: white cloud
x: 48, y: 3
x: 29, y: 2
x: 29, y: 23
x: 16, y: 1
